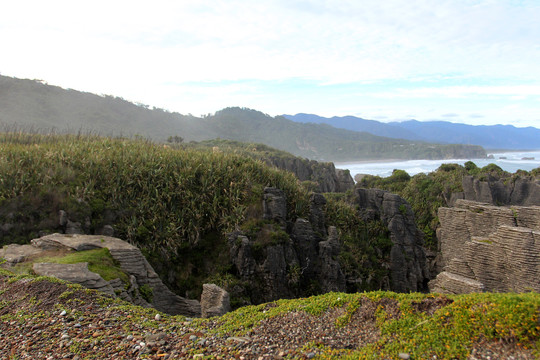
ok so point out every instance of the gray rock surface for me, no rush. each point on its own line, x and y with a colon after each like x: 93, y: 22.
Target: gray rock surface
x: 408, y: 264
x: 76, y: 273
x: 274, y: 205
x: 328, y: 178
x: 215, y: 301
x: 15, y: 253
x: 284, y: 268
x: 488, y: 248
x: 128, y: 256
x: 495, y: 191
x: 333, y: 279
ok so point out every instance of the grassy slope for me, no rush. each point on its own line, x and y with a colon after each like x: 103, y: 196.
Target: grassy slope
x: 423, y: 325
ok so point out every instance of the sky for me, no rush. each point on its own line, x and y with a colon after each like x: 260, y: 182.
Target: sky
x: 466, y: 61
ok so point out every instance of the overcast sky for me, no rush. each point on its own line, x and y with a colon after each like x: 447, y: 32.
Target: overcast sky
x: 470, y: 61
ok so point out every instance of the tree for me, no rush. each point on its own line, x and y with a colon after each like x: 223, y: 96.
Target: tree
x: 175, y: 139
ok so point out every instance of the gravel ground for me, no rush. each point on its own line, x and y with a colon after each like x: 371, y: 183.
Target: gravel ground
x: 39, y: 320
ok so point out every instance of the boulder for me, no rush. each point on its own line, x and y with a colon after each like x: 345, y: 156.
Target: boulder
x: 15, y: 253
x: 305, y: 258
x: 325, y: 174
x: 214, y: 301
x: 317, y: 214
x: 333, y: 279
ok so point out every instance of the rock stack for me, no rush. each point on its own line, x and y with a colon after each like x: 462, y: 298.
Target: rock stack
x: 488, y: 248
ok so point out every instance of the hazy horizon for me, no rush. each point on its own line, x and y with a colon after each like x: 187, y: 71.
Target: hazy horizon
x: 458, y: 61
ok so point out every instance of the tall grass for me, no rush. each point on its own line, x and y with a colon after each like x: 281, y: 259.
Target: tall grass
x: 165, y: 197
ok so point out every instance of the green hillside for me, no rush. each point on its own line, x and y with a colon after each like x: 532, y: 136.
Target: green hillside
x: 30, y: 104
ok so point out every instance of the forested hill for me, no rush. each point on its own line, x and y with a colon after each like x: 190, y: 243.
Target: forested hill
x: 32, y: 104
x: 488, y: 136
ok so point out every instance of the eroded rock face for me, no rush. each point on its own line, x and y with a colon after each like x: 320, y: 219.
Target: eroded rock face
x: 329, y: 178
x: 305, y: 255
x: 488, y: 248
x: 519, y: 191
x: 214, y: 301
x: 408, y: 265
x: 131, y: 261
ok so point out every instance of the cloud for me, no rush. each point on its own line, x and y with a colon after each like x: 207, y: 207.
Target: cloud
x: 450, y: 115
x: 215, y: 51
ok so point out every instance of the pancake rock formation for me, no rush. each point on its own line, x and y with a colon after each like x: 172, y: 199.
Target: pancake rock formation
x: 145, y: 288
x: 488, y: 248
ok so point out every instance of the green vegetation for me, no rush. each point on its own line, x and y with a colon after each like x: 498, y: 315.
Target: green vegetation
x: 175, y: 202
x: 365, y: 245
x: 22, y: 103
x: 426, y: 193
x: 99, y: 261
x: 146, y: 292
x: 423, y: 325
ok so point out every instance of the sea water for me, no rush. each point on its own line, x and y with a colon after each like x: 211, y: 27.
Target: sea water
x: 508, y: 161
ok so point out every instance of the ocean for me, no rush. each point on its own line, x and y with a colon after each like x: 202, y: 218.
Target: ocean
x: 508, y: 161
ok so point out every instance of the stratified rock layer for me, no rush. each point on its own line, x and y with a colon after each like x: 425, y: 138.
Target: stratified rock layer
x: 284, y: 258
x: 129, y: 257
x: 488, y: 248
x: 500, y: 191
x: 214, y: 301
x: 408, y: 264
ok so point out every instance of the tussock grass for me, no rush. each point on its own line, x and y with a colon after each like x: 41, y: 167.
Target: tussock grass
x: 167, y: 197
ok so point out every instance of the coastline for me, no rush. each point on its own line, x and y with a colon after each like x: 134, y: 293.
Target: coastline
x: 375, y: 161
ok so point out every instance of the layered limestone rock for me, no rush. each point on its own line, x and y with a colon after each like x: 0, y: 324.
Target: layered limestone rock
x: 408, y: 265
x: 214, y: 301
x: 328, y: 178
x: 496, y: 191
x: 76, y: 273
x: 488, y: 248
x: 142, y: 275
x: 284, y: 258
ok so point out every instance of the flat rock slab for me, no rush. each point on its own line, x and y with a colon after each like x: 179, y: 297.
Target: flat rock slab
x: 15, y: 253
x: 76, y: 273
x: 81, y: 242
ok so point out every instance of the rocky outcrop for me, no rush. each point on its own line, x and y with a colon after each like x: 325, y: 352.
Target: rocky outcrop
x: 488, y: 248
x: 285, y: 260
x: 214, y: 301
x: 408, y: 264
x: 524, y: 191
x: 327, y: 177
x: 76, y: 273
x: 143, y: 278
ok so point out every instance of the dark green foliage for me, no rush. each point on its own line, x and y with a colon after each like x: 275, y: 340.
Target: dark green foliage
x: 146, y: 293
x: 365, y: 246
x: 176, y: 204
x: 168, y: 202
x: 427, y: 192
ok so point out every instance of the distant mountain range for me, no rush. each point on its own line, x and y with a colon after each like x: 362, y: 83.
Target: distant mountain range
x: 489, y: 136
x: 33, y: 105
